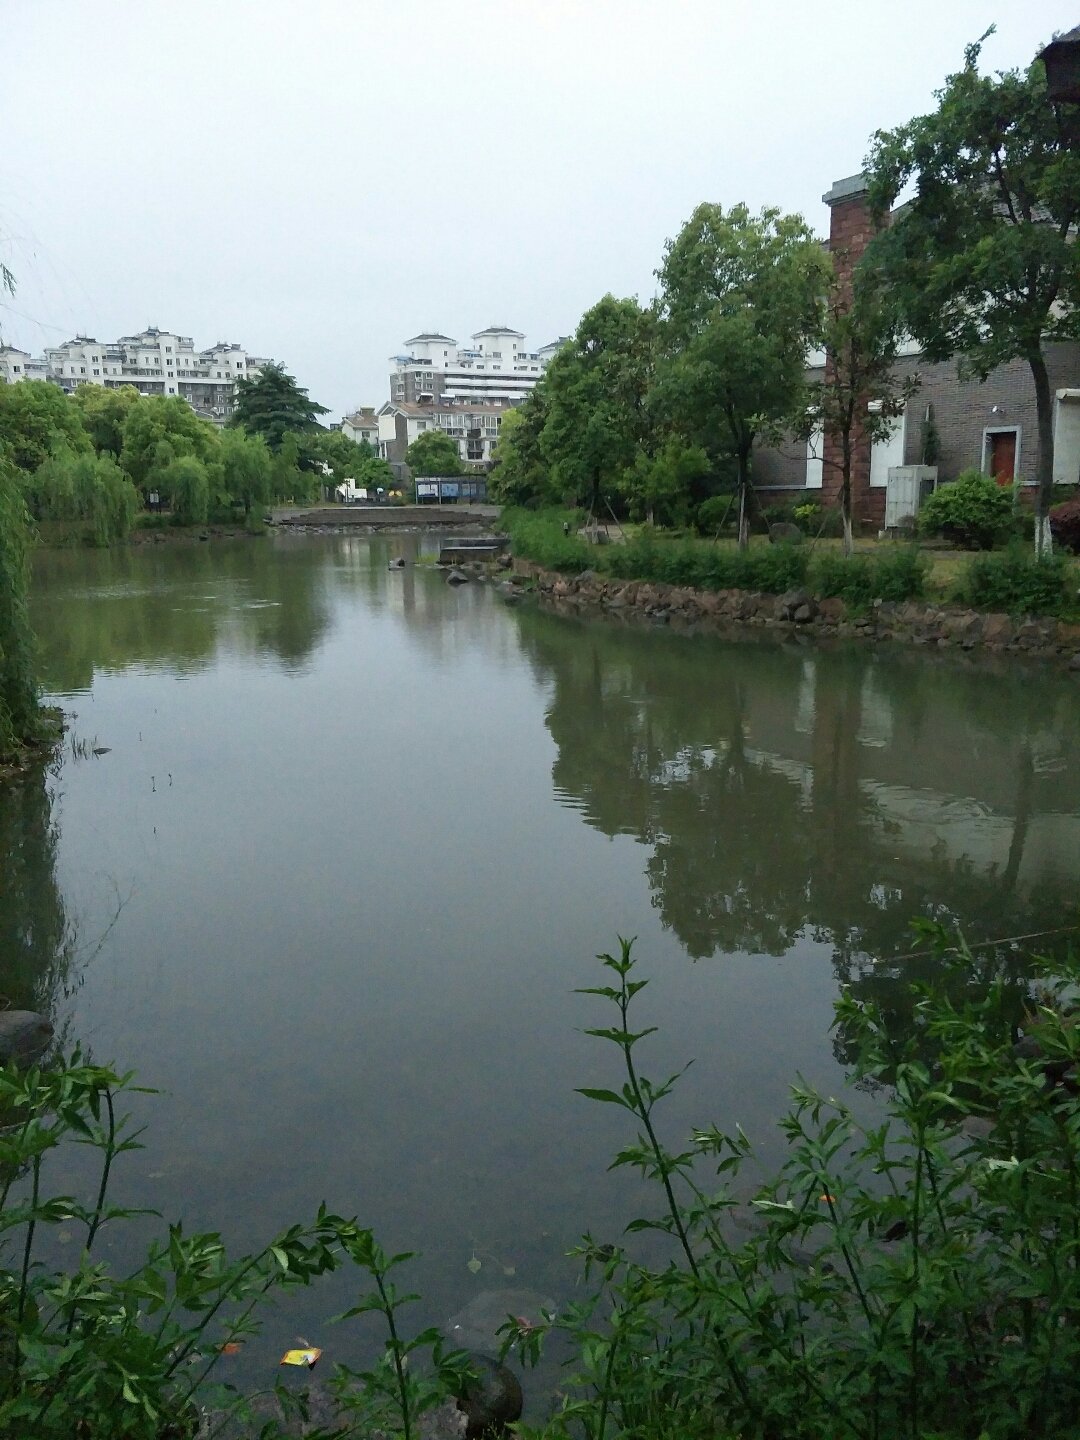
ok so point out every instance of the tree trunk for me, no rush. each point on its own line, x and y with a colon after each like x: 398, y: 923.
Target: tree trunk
x: 1044, y: 458
x: 744, y: 485
x: 845, y: 492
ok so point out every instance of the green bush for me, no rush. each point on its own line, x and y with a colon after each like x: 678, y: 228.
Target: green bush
x: 907, y: 1274
x: 900, y: 574
x: 717, y: 513
x: 973, y: 511
x: 848, y: 577
x: 1015, y: 581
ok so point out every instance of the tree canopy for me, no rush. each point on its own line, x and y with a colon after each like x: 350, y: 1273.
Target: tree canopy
x: 596, y: 389
x: 983, y: 258
x: 273, y: 405
x: 740, y: 305
x: 433, y: 453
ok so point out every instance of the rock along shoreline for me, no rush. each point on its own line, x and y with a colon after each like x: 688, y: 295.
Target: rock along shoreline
x: 797, y: 612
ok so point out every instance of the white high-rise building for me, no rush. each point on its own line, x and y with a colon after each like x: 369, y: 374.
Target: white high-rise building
x: 155, y: 362
x: 496, y: 368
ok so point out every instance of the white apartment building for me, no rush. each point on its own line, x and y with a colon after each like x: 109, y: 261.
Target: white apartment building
x: 496, y: 368
x: 16, y: 365
x: 155, y: 362
x: 474, y: 426
x: 361, y: 425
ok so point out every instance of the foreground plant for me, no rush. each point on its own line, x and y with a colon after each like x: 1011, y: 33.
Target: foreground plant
x: 907, y: 1278
x: 87, y: 1353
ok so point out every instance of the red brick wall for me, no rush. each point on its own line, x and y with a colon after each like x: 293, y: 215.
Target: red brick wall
x: 850, y: 231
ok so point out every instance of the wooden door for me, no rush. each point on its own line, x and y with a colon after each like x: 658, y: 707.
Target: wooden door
x: 1003, y: 456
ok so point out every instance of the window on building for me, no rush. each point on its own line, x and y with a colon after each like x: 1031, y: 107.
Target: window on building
x: 82, y: 369
x: 168, y: 349
x: 97, y: 372
x: 16, y: 368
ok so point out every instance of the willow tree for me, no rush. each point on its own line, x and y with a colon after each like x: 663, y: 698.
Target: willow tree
x: 740, y: 307
x: 983, y: 258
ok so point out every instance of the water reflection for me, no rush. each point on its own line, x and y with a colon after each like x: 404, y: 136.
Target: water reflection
x: 786, y: 793
x: 37, y: 951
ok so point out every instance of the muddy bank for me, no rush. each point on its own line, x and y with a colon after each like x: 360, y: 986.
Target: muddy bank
x: 914, y: 622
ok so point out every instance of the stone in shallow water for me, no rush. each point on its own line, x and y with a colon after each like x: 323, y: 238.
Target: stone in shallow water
x: 476, y: 1326
x: 24, y: 1034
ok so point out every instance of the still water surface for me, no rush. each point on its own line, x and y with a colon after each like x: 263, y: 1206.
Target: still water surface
x: 359, y: 835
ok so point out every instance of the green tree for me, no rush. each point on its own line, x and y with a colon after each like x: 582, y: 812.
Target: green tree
x: 343, y: 457
x: 862, y: 335
x: 983, y: 257
x: 273, y: 405
x: 664, y: 486
x: 247, y: 469
x: 186, y: 483
x: 433, y: 453
x: 171, y: 423
x: 36, y: 420
x: 104, y: 414
x: 519, y: 474
x: 84, y: 488
x: 596, y: 389
x: 740, y: 305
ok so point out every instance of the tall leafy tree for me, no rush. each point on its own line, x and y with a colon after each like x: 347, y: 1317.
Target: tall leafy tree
x: 246, y: 469
x: 519, y: 474
x: 433, y: 453
x: 740, y: 305
x: 862, y: 335
x: 159, y: 430
x: 596, y: 391
x: 273, y: 405
x: 984, y: 257
x: 38, y: 420
x: 104, y: 413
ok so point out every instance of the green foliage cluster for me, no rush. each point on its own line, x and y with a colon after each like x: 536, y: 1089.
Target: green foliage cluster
x: 104, y: 1356
x: 1017, y: 582
x: 434, y: 453
x: 973, y: 511
x: 895, y: 574
x: 910, y: 1269
x: 908, y: 1276
x: 898, y: 573
x: 87, y: 462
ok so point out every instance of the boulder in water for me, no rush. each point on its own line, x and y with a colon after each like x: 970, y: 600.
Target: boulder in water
x: 492, y: 1400
x: 24, y: 1035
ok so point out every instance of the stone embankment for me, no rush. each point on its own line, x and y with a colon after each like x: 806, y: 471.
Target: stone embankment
x: 915, y: 622
x: 383, y: 517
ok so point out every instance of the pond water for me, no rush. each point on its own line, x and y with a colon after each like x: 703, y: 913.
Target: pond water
x: 356, y: 837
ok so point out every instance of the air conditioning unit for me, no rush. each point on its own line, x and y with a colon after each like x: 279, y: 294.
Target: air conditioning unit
x: 905, y: 490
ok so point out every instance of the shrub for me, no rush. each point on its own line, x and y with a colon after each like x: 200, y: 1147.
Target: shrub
x: 904, y: 1277
x: 849, y: 577
x: 774, y: 568
x: 1016, y: 581
x: 973, y: 511
x: 900, y: 574
x: 717, y: 513
x: 1065, y: 525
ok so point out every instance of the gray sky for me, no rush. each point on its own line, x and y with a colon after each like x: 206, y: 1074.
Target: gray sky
x: 320, y: 179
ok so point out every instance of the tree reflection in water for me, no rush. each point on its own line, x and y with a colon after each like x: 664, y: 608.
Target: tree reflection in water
x: 791, y: 794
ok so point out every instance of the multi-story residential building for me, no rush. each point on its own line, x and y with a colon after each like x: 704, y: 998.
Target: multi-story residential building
x: 496, y: 368
x: 985, y: 425
x: 155, y: 362
x: 474, y: 426
x: 362, y: 425
x: 462, y: 391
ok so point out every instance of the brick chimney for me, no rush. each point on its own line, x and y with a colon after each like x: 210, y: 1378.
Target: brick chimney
x: 851, y: 228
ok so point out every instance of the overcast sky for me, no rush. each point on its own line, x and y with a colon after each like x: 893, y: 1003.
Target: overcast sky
x: 320, y: 179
